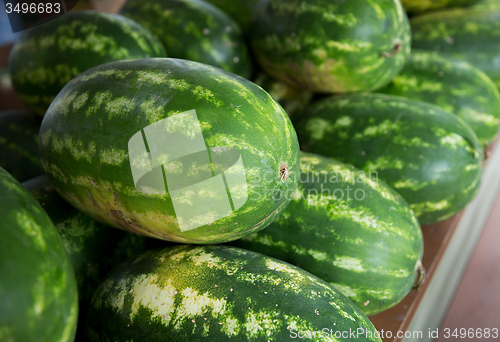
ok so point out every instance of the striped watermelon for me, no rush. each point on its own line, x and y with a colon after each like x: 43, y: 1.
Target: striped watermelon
x: 219, y: 293
x: 93, y: 248
x: 240, y: 11
x: 195, y: 30
x: 414, y: 6
x: 37, y: 285
x: 466, y: 34
x: 454, y: 85
x: 47, y: 57
x: 19, y: 144
x: 120, y: 134
x: 428, y: 155
x: 349, y: 229
x: 331, y: 45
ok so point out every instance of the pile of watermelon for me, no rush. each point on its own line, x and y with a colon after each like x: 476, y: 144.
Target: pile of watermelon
x: 330, y: 131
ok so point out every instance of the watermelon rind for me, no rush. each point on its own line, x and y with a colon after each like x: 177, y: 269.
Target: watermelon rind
x: 37, y: 285
x: 92, y: 146
x: 48, y: 56
x: 220, y: 293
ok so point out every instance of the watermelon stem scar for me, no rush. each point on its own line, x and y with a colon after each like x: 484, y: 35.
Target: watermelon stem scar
x: 419, y: 268
x: 284, y: 173
x: 397, y: 47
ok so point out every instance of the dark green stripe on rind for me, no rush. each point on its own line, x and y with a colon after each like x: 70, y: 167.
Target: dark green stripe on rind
x: 195, y: 30
x: 47, y: 57
x: 84, y: 143
x: 38, y: 293
x: 19, y: 144
x: 456, y: 86
x: 428, y: 155
x: 217, y: 293
x: 331, y: 46
x: 350, y: 229
x: 466, y: 34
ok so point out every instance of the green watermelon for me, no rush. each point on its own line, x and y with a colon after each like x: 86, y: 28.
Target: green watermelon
x: 124, y: 143
x: 240, y: 11
x: 350, y: 229
x: 454, y: 85
x: 93, y: 248
x: 48, y: 56
x: 465, y: 34
x: 331, y: 46
x: 195, y: 30
x: 37, y: 285
x: 428, y: 155
x: 220, y: 293
x: 19, y: 144
x: 414, y: 6
x: 293, y: 100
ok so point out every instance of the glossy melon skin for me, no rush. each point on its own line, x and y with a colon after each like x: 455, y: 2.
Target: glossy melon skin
x: 37, y: 286
x: 19, y: 144
x: 350, y: 229
x: 331, y: 46
x: 428, y: 155
x: 87, y: 134
x: 195, y: 30
x: 465, y: 34
x: 218, y: 293
x: 48, y: 56
x: 454, y: 85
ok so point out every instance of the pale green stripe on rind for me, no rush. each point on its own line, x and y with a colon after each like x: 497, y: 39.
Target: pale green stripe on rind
x: 241, y: 295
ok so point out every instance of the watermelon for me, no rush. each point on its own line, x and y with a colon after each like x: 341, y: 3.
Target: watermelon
x: 219, y: 293
x: 293, y: 100
x: 19, y: 144
x: 195, y: 30
x: 428, y: 155
x: 336, y: 217
x: 240, y: 11
x: 37, y: 285
x: 119, y: 143
x: 465, y: 34
x: 414, y: 6
x: 47, y: 57
x: 454, y: 85
x: 331, y: 46
x: 93, y: 248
